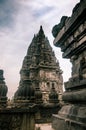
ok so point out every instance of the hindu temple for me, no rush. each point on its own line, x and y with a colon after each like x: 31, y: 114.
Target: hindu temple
x: 40, y: 76
x: 39, y: 98
x: 40, y: 88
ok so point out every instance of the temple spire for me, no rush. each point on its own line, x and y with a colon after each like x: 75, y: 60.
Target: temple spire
x: 41, y: 32
x: 41, y: 29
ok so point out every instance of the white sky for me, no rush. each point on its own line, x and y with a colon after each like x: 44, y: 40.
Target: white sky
x: 19, y: 21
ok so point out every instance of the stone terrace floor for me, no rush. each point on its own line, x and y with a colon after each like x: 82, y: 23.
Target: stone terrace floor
x: 44, y: 127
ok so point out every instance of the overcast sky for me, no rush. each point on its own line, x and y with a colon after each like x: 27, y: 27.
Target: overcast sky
x: 19, y: 21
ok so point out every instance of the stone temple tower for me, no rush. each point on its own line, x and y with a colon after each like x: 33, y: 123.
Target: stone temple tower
x: 3, y: 90
x: 41, y: 77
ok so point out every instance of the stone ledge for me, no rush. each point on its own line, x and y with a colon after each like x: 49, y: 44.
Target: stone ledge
x: 29, y: 109
x: 64, y: 33
x: 75, y: 84
x: 75, y: 96
x: 70, y: 117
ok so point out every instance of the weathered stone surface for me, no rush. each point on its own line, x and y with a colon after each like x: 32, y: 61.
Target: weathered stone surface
x: 72, y: 40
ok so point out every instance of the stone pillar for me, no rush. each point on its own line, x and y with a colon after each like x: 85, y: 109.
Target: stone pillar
x: 32, y: 122
x: 28, y: 122
x: 71, y: 38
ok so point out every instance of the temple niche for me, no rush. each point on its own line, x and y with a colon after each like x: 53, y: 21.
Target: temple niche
x: 71, y: 38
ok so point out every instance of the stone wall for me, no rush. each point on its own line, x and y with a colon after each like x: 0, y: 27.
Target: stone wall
x: 16, y: 119
x: 71, y: 38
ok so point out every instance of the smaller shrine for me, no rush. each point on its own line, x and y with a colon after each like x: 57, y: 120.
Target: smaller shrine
x: 3, y: 91
x: 14, y: 116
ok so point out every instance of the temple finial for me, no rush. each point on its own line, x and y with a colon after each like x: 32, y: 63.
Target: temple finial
x: 41, y: 27
x: 41, y: 32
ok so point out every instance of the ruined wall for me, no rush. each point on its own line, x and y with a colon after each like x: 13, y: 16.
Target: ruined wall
x: 16, y: 119
x: 71, y: 38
